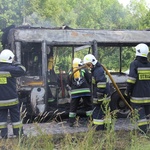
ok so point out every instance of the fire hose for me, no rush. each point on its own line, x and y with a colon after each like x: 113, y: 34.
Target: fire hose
x: 116, y: 87
x: 114, y: 84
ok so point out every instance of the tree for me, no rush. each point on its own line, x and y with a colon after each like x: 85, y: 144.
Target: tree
x: 95, y: 14
x: 138, y: 11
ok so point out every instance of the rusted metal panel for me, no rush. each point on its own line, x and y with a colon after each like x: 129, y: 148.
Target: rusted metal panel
x: 31, y: 81
x: 79, y: 36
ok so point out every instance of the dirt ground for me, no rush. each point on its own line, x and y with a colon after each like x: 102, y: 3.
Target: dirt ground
x: 63, y: 127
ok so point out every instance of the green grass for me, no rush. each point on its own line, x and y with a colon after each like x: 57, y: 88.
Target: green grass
x: 100, y: 140
x: 90, y: 140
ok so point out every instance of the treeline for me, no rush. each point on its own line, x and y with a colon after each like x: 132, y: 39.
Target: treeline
x: 95, y: 14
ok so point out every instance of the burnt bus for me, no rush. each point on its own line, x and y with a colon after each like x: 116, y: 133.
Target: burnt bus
x: 42, y: 90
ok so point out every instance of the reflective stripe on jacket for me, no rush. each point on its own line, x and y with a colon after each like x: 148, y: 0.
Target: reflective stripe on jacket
x: 138, y: 82
x: 81, y: 90
x: 10, y: 102
x: 8, y: 92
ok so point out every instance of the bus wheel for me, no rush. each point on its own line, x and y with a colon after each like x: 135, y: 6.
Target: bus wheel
x: 118, y: 105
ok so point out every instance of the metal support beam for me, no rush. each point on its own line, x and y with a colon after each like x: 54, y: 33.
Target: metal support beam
x: 18, y: 51
x: 44, y: 58
x: 73, y: 49
x: 44, y: 68
x: 120, y: 59
x: 94, y: 49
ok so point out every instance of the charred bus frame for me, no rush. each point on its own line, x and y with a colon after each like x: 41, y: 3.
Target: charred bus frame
x: 77, y: 39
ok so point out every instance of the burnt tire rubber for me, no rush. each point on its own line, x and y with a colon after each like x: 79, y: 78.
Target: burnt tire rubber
x: 118, y: 105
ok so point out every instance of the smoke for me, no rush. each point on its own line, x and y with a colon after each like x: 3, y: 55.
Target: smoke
x: 38, y: 21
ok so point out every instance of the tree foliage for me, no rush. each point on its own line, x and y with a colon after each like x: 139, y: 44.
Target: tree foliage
x: 95, y: 14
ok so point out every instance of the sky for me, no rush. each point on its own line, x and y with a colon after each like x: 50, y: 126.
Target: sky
x: 125, y: 2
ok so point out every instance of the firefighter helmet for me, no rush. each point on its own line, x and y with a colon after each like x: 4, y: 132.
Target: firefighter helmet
x: 90, y: 58
x: 142, y: 50
x: 77, y: 61
x: 7, y: 56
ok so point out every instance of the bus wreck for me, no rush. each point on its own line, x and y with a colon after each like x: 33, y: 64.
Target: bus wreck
x: 39, y: 91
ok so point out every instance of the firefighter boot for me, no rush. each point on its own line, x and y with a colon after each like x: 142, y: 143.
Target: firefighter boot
x: 71, y: 121
x: 143, y: 129
x: 99, y: 127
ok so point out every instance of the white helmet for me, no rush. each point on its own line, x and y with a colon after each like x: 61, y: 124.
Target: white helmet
x: 77, y: 61
x: 90, y: 58
x: 142, y: 50
x: 7, y: 56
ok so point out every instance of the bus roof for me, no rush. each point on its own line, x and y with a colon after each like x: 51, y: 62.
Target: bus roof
x: 76, y: 37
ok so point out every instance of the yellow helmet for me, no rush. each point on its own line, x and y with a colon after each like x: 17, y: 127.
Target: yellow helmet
x: 76, y: 63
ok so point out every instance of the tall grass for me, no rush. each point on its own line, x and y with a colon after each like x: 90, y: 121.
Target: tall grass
x: 101, y: 140
x: 110, y: 139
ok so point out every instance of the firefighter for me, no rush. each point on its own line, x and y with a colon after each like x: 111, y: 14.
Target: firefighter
x: 80, y: 89
x: 138, y: 86
x: 101, y: 93
x: 9, y: 102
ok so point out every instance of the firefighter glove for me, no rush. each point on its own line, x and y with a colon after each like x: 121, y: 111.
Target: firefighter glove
x: 100, y: 95
x: 127, y: 93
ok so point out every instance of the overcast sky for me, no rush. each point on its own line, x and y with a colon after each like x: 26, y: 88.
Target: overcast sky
x: 125, y: 2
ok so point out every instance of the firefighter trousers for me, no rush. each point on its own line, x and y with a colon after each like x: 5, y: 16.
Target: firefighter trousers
x: 143, y: 112
x: 101, y: 117
x: 14, y: 112
x: 74, y: 104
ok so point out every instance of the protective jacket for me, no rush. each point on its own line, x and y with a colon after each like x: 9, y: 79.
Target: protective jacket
x: 82, y: 87
x: 8, y: 93
x: 100, y: 83
x: 9, y: 99
x: 138, y: 82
